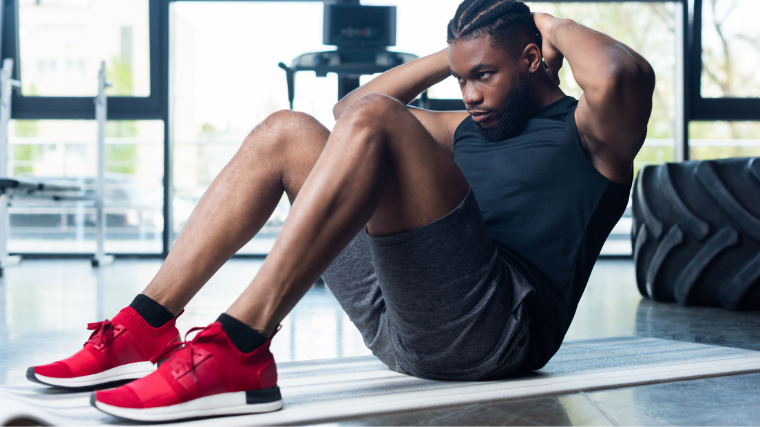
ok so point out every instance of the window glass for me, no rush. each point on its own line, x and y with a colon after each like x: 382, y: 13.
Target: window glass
x: 226, y: 81
x: 730, y: 48
x: 421, y: 30
x: 720, y: 140
x: 63, y: 42
x: 65, y: 152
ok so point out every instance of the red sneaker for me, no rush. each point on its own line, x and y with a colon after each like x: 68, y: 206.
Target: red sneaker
x: 118, y: 350
x: 208, y: 377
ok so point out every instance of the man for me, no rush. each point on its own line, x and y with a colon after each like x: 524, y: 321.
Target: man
x: 459, y: 243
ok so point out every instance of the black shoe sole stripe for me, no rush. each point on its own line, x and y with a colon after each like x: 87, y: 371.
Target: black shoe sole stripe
x: 263, y: 396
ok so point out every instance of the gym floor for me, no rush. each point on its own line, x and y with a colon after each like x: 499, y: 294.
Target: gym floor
x: 45, y: 306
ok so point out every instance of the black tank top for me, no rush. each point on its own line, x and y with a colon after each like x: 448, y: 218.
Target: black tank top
x: 548, y: 211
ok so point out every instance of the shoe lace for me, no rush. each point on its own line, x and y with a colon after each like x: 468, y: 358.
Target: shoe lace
x: 102, y: 333
x: 185, y: 354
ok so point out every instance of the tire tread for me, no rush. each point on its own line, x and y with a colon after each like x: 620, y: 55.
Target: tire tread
x: 696, y: 235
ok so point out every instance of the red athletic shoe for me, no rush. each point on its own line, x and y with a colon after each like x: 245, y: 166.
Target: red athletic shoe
x: 208, y: 377
x: 117, y: 351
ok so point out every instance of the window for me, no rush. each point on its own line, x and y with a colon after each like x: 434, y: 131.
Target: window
x: 226, y: 81
x: 62, y: 43
x: 65, y: 152
x: 730, y: 49
x: 421, y: 30
x: 722, y: 139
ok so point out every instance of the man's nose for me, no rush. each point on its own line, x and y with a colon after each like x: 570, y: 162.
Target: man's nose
x: 471, y: 96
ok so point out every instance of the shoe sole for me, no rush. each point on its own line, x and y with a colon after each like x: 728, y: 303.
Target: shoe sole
x: 235, y: 403
x: 128, y: 372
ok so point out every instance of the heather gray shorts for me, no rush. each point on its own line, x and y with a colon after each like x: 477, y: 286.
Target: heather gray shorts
x: 436, y: 301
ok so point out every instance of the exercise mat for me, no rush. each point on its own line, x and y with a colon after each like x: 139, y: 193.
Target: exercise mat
x: 337, y: 389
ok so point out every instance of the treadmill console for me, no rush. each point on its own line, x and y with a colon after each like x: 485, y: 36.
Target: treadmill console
x: 357, y: 26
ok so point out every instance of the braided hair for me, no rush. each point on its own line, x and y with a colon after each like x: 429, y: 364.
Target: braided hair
x: 508, y: 22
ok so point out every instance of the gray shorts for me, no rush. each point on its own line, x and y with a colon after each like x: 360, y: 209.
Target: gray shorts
x: 436, y: 301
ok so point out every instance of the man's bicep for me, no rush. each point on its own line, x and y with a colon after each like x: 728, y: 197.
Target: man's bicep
x: 440, y: 124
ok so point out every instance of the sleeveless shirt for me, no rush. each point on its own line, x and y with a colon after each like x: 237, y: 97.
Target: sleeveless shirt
x: 548, y: 211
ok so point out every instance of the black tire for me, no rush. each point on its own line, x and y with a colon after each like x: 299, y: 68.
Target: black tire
x: 696, y: 233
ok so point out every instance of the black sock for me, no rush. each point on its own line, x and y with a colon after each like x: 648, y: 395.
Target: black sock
x: 245, y: 338
x: 154, y: 313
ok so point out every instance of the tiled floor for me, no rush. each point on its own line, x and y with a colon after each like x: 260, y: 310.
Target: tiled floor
x: 45, y: 305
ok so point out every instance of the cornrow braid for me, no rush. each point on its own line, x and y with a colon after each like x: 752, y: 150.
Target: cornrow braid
x: 508, y: 22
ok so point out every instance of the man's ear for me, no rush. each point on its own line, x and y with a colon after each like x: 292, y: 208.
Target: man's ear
x: 531, y: 57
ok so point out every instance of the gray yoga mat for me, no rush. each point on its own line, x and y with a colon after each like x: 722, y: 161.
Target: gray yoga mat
x: 336, y: 389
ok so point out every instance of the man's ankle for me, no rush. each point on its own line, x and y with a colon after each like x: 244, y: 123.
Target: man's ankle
x: 245, y: 338
x: 154, y: 313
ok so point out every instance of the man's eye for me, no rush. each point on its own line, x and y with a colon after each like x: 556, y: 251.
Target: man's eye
x: 485, y: 75
x: 460, y: 81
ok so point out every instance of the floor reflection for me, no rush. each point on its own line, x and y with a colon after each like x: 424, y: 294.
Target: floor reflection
x: 45, y: 306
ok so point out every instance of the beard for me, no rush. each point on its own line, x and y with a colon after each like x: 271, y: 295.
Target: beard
x: 514, y: 113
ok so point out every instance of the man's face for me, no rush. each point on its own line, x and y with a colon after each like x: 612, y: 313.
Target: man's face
x: 494, y: 89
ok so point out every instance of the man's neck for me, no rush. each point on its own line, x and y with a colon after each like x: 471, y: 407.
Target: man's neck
x: 545, y: 95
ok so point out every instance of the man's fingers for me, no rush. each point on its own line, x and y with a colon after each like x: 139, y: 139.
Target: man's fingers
x: 554, y: 60
x: 554, y: 76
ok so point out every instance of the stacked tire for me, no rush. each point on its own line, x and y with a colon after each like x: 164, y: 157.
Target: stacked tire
x: 696, y: 233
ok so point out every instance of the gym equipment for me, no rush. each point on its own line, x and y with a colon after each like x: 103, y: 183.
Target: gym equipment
x: 696, y: 232
x: 101, y: 111
x: 329, y: 390
x: 6, y: 87
x: 11, y: 188
x: 361, y: 35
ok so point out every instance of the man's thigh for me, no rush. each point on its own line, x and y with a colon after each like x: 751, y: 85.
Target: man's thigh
x: 352, y: 280
x: 386, y: 144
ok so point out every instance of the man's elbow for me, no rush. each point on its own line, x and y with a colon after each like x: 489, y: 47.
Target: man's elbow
x: 626, y: 81
x: 633, y: 75
x: 644, y: 77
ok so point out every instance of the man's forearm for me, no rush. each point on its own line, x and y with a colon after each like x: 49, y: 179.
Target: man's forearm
x: 404, y: 82
x: 599, y: 62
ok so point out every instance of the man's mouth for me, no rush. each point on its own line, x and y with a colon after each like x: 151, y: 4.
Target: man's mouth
x: 479, y: 116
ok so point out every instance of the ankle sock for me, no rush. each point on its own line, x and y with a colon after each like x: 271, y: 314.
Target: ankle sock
x: 245, y: 338
x: 154, y: 313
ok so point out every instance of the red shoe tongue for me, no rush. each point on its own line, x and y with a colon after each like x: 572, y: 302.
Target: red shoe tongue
x: 212, y: 329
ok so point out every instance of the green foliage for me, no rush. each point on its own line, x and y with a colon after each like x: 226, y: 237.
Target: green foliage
x: 730, y: 49
x: 30, y: 90
x: 27, y: 128
x: 121, y: 158
x: 119, y: 73
x: 121, y: 129
x: 24, y: 153
x: 712, y: 140
x: 208, y: 131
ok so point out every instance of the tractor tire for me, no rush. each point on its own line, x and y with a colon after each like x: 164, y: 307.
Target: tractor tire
x: 696, y: 233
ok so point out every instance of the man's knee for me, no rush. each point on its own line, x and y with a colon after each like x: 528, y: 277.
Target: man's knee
x: 372, y: 111
x: 283, y: 128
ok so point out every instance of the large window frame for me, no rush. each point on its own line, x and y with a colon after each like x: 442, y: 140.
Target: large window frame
x: 709, y: 109
x: 690, y: 106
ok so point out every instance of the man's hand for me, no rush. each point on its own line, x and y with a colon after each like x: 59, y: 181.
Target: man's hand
x: 553, y: 58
